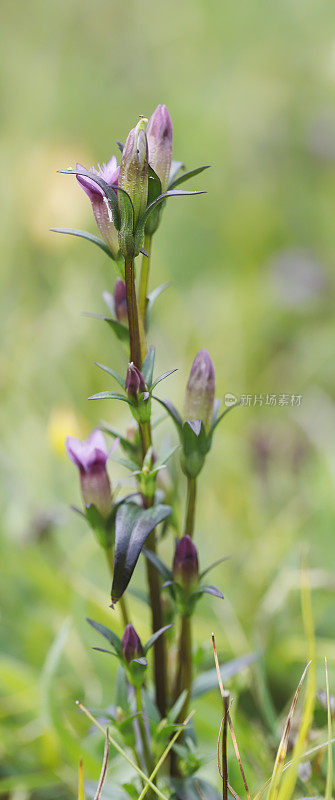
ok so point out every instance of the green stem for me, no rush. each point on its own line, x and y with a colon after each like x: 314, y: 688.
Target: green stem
x: 134, y: 332
x: 183, y: 679
x: 136, y: 351
x: 122, y: 602
x: 144, y: 279
x: 190, y: 506
x: 146, y: 752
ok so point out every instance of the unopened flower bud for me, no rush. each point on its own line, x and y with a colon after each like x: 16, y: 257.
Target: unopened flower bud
x: 135, y: 383
x: 133, y: 175
x: 120, y: 301
x: 159, y: 136
x: 200, y: 390
x: 90, y: 457
x: 185, y: 562
x: 131, y: 644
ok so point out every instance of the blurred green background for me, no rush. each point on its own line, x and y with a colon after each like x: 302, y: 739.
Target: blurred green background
x: 250, y: 87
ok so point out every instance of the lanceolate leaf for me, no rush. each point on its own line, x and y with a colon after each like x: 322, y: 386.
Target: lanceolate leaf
x: 162, y: 377
x: 209, y: 590
x: 151, y: 299
x: 175, y: 167
x: 211, y: 566
x: 172, y: 411
x: 208, y: 680
x: 133, y: 525
x: 148, y: 366
x: 121, y: 381
x: 86, y: 235
x: 154, y: 186
x: 111, y: 637
x: 165, y: 572
x: 110, y: 396
x: 155, y: 636
x: 187, y: 175
x: 160, y: 199
x: 120, y: 331
x: 226, y: 411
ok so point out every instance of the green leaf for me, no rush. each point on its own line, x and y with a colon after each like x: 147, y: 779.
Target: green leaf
x: 125, y: 462
x: 132, y: 527
x: 154, y: 186
x: 111, y: 637
x: 208, y: 680
x: 187, y: 175
x: 160, y: 199
x: 120, y: 331
x: 86, y: 235
x: 148, y: 366
x: 211, y: 566
x: 151, y: 299
x: 155, y: 636
x: 126, y: 445
x: 163, y: 376
x: 175, y: 167
x: 173, y: 714
x: 172, y: 411
x: 165, y: 572
x: 110, y: 396
x: 210, y: 589
x: 226, y: 411
x: 121, y: 381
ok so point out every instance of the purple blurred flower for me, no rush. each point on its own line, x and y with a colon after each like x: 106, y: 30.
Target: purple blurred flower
x: 120, y: 301
x: 185, y: 562
x: 135, y: 383
x: 131, y: 644
x: 200, y: 390
x: 159, y: 136
x: 110, y: 173
x: 90, y: 456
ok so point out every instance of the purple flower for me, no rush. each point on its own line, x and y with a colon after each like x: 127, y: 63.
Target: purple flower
x: 159, y: 136
x: 90, y: 457
x: 110, y: 173
x: 131, y: 644
x: 133, y: 177
x: 200, y: 390
x: 135, y: 383
x: 120, y: 301
x: 185, y: 562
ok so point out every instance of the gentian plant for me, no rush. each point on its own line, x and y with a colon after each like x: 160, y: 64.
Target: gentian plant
x: 128, y: 202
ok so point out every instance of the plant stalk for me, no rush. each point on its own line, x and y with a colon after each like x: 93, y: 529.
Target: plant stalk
x: 134, y: 332
x: 146, y: 752
x: 190, y: 506
x: 144, y: 279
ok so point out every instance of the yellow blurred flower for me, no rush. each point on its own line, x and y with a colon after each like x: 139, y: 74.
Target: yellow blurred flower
x: 64, y: 422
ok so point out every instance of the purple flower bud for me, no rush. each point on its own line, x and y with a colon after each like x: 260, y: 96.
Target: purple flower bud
x: 185, y: 562
x: 200, y: 390
x: 120, y: 301
x: 90, y: 457
x: 131, y: 644
x: 159, y: 136
x: 135, y: 383
x: 110, y: 173
x: 133, y: 176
